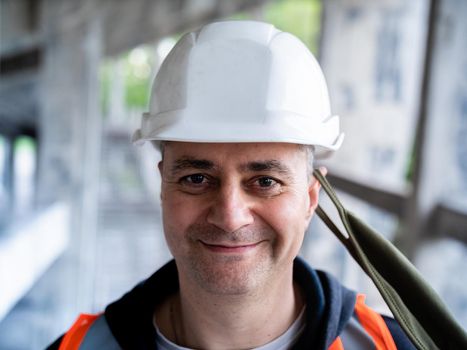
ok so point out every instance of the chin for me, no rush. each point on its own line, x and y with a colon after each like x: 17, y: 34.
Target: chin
x: 229, y: 276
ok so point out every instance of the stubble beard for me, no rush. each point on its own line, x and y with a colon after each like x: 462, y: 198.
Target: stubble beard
x: 227, y: 274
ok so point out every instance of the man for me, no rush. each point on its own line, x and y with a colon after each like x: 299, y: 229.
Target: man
x: 238, y: 110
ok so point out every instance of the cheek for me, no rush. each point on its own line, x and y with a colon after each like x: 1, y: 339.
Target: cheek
x: 178, y: 213
x: 297, y: 209
x: 289, y: 219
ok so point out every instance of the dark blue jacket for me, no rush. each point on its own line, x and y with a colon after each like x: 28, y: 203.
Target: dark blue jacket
x: 330, y: 312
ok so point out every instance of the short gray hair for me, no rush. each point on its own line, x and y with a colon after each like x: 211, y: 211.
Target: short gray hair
x: 310, y: 157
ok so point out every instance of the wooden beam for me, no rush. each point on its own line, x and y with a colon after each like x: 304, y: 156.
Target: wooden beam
x: 394, y: 203
x: 447, y: 221
x: 414, y: 217
x: 132, y: 23
x: 20, y: 61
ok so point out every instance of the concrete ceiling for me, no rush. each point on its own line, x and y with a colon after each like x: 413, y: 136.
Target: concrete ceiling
x: 124, y: 25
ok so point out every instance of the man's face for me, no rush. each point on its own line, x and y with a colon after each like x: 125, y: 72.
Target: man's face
x: 235, y: 214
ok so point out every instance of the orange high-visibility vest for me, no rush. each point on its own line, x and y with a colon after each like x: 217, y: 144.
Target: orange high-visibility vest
x: 373, y: 324
x: 74, y: 337
x: 369, y: 319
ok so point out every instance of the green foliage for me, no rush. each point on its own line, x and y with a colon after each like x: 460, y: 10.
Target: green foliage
x: 136, y: 75
x: 137, y: 91
x: 24, y: 144
x: 137, y: 85
x: 105, y: 81
x: 299, y: 17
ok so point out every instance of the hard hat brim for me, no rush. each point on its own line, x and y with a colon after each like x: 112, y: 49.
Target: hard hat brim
x: 161, y: 128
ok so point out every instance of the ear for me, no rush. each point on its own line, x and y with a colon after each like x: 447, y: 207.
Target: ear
x: 313, y: 193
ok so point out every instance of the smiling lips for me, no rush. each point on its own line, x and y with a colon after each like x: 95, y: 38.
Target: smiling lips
x: 238, y: 249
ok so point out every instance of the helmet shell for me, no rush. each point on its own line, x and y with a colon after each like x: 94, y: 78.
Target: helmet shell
x: 241, y: 81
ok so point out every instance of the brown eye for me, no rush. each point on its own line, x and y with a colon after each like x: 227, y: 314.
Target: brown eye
x: 265, y: 186
x: 266, y: 182
x: 195, y: 178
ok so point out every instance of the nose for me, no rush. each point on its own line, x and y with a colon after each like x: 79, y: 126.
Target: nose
x: 231, y: 210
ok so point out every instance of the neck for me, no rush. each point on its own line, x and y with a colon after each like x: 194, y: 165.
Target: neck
x: 202, y: 320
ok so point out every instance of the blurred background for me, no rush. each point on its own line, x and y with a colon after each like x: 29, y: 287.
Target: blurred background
x: 79, y: 205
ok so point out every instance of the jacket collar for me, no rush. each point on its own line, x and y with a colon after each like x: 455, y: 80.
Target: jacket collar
x: 329, y: 306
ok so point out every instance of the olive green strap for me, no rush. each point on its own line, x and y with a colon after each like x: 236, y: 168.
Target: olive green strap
x: 415, y: 305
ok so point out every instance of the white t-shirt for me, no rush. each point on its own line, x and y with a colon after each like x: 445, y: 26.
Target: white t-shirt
x: 283, y: 342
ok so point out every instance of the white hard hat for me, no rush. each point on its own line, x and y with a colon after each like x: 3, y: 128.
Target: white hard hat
x: 241, y: 81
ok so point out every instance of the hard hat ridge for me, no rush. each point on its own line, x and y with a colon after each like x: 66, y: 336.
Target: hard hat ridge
x: 259, y: 32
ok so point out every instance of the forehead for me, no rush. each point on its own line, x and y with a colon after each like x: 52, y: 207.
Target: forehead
x: 236, y: 153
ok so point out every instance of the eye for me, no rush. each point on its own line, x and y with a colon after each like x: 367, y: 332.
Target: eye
x: 196, y: 183
x: 266, y: 182
x: 266, y: 186
x: 194, y: 179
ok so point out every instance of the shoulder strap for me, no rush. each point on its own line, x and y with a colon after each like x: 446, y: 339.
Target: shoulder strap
x: 415, y: 305
x: 74, y: 337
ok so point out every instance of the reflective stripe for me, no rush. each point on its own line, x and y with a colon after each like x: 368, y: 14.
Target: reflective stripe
x: 374, y: 325
x: 73, y: 338
x: 337, y: 345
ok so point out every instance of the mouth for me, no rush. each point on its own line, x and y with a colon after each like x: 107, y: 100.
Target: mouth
x: 230, y: 249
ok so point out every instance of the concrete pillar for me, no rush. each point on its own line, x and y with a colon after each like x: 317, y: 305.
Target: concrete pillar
x: 6, y: 197
x: 9, y: 168
x: 444, y: 161
x: 70, y: 132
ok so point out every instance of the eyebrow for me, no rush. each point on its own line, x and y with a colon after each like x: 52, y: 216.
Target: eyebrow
x: 191, y: 163
x: 266, y: 165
